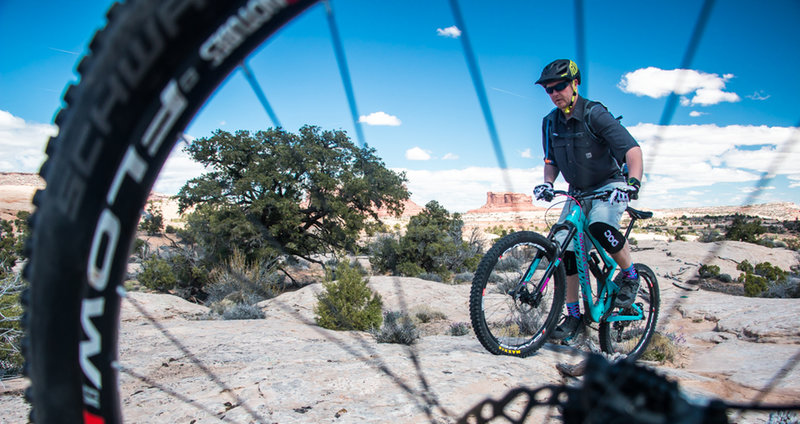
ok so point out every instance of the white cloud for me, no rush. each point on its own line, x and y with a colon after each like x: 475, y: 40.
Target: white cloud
x: 452, y: 32
x: 417, y: 153
x: 460, y: 190
x: 681, y: 164
x: 380, y: 118
x: 450, y: 156
x: 178, y: 169
x: 655, y: 82
x: 695, y: 114
x: 526, y: 154
x: 758, y: 95
x: 22, y: 143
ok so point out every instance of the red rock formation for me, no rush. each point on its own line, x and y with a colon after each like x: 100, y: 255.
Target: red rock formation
x: 506, y: 202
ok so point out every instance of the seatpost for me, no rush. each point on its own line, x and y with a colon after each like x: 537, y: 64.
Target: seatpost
x: 630, y: 226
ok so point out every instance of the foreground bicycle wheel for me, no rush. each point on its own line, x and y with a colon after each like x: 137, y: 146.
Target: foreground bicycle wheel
x: 516, y: 323
x: 147, y: 74
x: 632, y: 337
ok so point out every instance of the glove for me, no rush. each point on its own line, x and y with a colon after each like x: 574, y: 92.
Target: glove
x: 627, y: 193
x: 544, y: 192
x: 634, y: 185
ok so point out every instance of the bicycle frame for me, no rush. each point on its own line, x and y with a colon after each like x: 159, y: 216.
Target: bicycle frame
x: 576, y: 226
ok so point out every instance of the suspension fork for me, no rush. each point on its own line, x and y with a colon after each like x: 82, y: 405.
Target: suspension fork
x: 560, y: 249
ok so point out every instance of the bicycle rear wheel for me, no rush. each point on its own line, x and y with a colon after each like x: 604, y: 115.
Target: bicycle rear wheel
x: 148, y: 72
x: 632, y: 337
x: 516, y: 325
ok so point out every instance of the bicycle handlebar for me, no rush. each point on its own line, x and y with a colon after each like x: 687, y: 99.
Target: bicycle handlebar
x: 589, y: 195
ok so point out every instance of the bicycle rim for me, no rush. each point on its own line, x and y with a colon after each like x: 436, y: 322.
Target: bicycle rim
x: 148, y: 72
x: 632, y: 337
x: 515, y: 325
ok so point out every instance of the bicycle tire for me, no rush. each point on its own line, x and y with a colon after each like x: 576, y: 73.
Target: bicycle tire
x: 505, y: 325
x: 632, y: 337
x: 146, y: 75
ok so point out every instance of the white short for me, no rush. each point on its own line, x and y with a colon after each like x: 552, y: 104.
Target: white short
x: 596, y: 211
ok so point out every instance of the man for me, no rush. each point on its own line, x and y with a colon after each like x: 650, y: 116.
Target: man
x: 583, y: 142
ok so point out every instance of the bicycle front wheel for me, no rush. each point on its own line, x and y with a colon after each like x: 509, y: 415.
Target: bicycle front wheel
x: 512, y: 309
x: 632, y: 337
x: 148, y: 72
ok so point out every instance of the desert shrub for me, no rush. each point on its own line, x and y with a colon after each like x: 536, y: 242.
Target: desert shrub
x: 663, y: 347
x: 384, y: 254
x: 770, y: 272
x: 430, y: 276
x: 332, y: 265
x: 744, y: 229
x: 152, y: 221
x: 459, y: 329
x: 243, y: 282
x: 463, y: 277
x: 432, y: 243
x: 754, y: 284
x: 409, y: 269
x: 397, y: 328
x: 787, y: 289
x: 348, y: 303
x: 708, y: 271
x: 744, y: 266
x: 157, y: 275
x: 242, y: 311
x: 170, y: 229
x: 10, y: 331
x: 426, y: 314
x: 783, y: 417
x: 508, y: 263
x: 710, y: 235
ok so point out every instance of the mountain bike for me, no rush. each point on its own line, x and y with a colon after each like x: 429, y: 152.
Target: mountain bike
x: 518, y: 291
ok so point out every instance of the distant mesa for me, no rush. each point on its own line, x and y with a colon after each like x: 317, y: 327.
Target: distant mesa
x: 506, y: 202
x: 409, y: 209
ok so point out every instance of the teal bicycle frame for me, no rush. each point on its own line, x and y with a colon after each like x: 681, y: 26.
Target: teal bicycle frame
x: 576, y: 226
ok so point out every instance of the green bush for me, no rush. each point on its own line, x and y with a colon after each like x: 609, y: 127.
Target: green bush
x: 745, y: 266
x: 152, y: 221
x: 397, y: 328
x: 754, y: 285
x: 348, y: 303
x: 409, y: 269
x: 157, y: 275
x: 708, y: 271
x: 384, y: 254
x: 432, y: 244
x: 771, y: 273
x: 744, y: 229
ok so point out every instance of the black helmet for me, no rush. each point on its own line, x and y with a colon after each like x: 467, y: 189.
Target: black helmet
x: 561, y: 69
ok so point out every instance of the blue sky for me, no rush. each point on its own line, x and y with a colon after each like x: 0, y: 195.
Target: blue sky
x: 419, y: 108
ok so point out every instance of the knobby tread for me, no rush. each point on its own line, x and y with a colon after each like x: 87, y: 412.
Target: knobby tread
x: 485, y: 267
x: 55, y: 392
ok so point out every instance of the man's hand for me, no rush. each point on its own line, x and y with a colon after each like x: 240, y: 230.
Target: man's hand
x: 544, y: 192
x: 633, y: 188
x: 627, y: 193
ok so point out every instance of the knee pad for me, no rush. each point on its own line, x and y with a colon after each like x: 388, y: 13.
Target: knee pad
x: 570, y: 264
x: 608, y: 237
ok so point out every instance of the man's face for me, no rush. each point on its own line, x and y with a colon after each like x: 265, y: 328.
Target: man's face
x: 560, y: 98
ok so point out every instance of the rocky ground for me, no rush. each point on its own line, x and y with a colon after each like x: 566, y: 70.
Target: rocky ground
x: 180, y: 368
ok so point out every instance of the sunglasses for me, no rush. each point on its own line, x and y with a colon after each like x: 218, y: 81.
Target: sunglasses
x: 558, y: 87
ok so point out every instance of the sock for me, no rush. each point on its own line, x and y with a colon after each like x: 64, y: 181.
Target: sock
x: 630, y: 272
x: 574, y: 309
